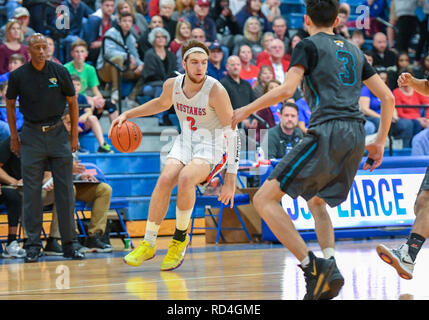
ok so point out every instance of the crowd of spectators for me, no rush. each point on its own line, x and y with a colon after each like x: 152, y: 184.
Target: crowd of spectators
x: 251, y: 45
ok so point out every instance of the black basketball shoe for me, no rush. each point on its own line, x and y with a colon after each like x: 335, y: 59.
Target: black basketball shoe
x: 316, y: 276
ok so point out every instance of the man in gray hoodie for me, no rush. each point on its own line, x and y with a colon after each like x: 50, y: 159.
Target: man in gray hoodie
x: 119, y: 42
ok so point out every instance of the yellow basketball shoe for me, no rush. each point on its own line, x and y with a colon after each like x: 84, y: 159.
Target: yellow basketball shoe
x: 142, y: 253
x: 175, y: 255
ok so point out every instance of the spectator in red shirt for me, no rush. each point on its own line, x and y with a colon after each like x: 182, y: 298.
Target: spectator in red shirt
x: 249, y: 72
x: 277, y: 60
x: 153, y: 8
x: 266, y: 39
x: 408, y: 96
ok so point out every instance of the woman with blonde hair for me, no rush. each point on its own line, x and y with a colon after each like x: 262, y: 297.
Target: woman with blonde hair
x: 252, y: 37
x: 183, y: 8
x: 140, y: 23
x: 12, y: 44
x: 183, y: 34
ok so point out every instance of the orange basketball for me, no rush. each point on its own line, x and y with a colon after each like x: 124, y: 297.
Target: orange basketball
x: 127, y: 138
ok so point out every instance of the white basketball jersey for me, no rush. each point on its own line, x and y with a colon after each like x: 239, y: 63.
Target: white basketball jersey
x: 195, y: 113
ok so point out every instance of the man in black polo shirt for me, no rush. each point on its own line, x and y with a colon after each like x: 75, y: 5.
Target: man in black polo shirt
x: 44, y: 88
x: 240, y: 92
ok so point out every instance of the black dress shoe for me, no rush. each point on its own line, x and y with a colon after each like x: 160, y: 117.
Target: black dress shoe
x: 71, y: 251
x: 33, y: 254
x: 75, y: 255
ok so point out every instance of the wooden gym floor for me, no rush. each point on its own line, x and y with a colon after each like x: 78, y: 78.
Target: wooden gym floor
x: 210, y: 272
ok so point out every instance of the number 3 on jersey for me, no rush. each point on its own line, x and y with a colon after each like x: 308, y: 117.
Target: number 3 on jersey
x: 347, y: 78
x: 191, y: 123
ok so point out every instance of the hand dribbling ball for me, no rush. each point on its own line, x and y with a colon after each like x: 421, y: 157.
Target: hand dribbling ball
x: 126, y: 138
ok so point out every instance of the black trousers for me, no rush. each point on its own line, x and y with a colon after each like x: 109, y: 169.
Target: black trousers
x: 13, y: 202
x: 40, y: 150
x: 424, y: 38
x: 407, y: 28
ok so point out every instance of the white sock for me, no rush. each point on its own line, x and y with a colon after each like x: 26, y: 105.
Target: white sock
x: 305, y: 262
x: 328, y: 252
x: 151, y: 233
x: 182, y: 218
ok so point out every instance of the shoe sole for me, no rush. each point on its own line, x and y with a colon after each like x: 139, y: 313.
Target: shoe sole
x: 332, y: 289
x: 50, y: 253
x: 385, y: 255
x: 12, y: 256
x: 95, y: 250
x: 171, y: 269
x: 321, y: 281
x: 137, y: 265
x: 181, y: 261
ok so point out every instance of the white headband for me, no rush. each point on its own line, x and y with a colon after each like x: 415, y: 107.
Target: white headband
x: 192, y: 50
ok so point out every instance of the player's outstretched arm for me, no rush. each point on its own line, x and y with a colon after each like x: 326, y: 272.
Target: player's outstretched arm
x: 154, y: 106
x: 292, y: 80
x: 376, y: 148
x: 219, y: 100
x: 420, y: 85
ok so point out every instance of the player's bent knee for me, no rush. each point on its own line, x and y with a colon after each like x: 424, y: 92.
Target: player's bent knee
x: 259, y: 199
x: 317, y: 202
x: 186, y: 181
x: 166, y: 181
x: 316, y: 205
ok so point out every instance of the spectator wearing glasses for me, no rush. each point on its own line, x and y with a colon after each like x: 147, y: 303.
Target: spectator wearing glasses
x: 160, y: 65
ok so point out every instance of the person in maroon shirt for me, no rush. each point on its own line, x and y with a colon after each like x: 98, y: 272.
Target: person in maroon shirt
x: 183, y: 34
x: 13, y: 44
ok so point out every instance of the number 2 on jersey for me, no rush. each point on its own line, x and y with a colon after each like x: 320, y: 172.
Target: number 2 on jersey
x: 348, y: 77
x: 192, y: 123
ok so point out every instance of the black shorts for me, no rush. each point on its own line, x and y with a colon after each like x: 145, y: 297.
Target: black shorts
x: 425, y: 182
x: 324, y: 163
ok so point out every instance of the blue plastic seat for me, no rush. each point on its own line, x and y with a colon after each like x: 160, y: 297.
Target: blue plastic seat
x: 203, y: 201
x: 115, y: 204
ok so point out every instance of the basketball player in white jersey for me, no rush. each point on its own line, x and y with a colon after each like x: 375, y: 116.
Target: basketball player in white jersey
x: 207, y: 144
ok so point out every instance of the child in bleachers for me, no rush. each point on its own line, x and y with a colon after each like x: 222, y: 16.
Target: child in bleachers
x: 87, y: 121
x: 15, y: 61
x: 89, y: 81
x: 271, y: 9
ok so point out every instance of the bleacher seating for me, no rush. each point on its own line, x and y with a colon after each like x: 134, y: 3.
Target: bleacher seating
x: 294, y: 20
x: 292, y: 6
